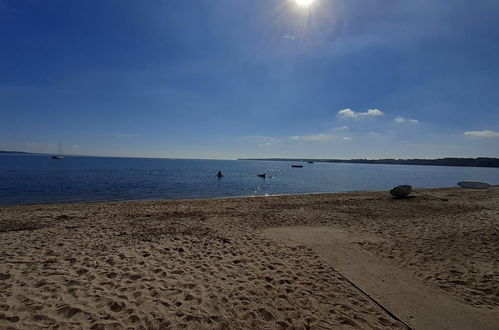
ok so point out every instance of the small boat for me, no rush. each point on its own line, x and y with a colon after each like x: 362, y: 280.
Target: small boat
x: 59, y: 155
x: 219, y: 174
x: 401, y: 191
x: 473, y: 185
x: 297, y: 166
x: 263, y: 175
x: 310, y: 162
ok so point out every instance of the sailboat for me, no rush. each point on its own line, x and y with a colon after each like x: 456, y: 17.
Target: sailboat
x: 59, y: 155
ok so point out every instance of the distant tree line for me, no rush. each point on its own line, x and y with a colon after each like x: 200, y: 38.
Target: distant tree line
x: 470, y: 162
x: 13, y: 152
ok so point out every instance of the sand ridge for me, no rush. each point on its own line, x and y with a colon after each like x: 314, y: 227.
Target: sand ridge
x: 205, y: 263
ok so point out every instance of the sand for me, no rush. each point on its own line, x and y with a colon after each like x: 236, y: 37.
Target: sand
x: 261, y: 263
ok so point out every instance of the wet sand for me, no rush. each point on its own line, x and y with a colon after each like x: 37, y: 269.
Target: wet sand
x: 230, y: 263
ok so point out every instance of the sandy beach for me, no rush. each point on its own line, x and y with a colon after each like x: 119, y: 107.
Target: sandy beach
x: 328, y: 261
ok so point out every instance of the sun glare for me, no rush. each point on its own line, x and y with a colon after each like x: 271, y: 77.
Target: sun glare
x: 304, y: 3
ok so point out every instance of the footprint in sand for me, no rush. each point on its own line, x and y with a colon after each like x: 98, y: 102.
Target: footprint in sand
x: 4, y: 277
x: 82, y: 271
x: 134, y: 318
x: 13, y: 319
x: 134, y: 277
x: 116, y: 307
x: 67, y: 311
x: 111, y: 275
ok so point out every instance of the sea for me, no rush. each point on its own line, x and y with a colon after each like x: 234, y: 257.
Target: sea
x: 37, y: 179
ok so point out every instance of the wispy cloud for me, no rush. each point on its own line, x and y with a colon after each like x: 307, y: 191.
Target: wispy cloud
x: 349, y: 113
x: 320, y: 138
x: 290, y: 37
x: 401, y: 120
x: 342, y: 128
x: 381, y: 134
x: 485, y: 134
x: 263, y: 141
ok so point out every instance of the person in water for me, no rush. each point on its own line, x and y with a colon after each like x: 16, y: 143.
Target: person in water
x: 219, y: 174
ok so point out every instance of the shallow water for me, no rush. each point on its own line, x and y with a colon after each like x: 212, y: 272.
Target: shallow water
x: 31, y: 179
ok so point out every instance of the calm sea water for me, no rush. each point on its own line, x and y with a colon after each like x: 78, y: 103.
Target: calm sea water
x: 31, y: 179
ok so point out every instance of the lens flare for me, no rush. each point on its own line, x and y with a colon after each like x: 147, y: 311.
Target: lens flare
x: 304, y: 3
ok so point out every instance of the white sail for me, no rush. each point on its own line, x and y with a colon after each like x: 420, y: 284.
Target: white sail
x: 59, y: 155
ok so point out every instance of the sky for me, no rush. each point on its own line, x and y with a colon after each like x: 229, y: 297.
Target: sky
x: 251, y: 78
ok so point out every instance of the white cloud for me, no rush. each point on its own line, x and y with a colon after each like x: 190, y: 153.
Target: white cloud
x: 485, y: 134
x: 287, y: 36
x: 320, y: 138
x: 381, y: 134
x: 262, y: 141
x: 342, y: 128
x: 401, y: 120
x: 349, y: 113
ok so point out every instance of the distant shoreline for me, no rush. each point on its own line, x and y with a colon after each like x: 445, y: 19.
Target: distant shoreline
x: 465, y: 162
x: 448, y: 161
x: 16, y: 152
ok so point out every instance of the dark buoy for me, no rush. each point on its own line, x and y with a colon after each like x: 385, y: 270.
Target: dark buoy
x: 219, y: 174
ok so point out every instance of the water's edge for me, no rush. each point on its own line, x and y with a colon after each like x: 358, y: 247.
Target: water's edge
x: 139, y: 200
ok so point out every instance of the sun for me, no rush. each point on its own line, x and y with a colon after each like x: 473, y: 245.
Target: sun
x: 304, y: 3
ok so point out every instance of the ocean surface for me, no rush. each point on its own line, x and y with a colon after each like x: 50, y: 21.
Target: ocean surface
x: 33, y: 179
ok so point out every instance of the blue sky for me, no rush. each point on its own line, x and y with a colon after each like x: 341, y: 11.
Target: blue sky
x: 251, y: 78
